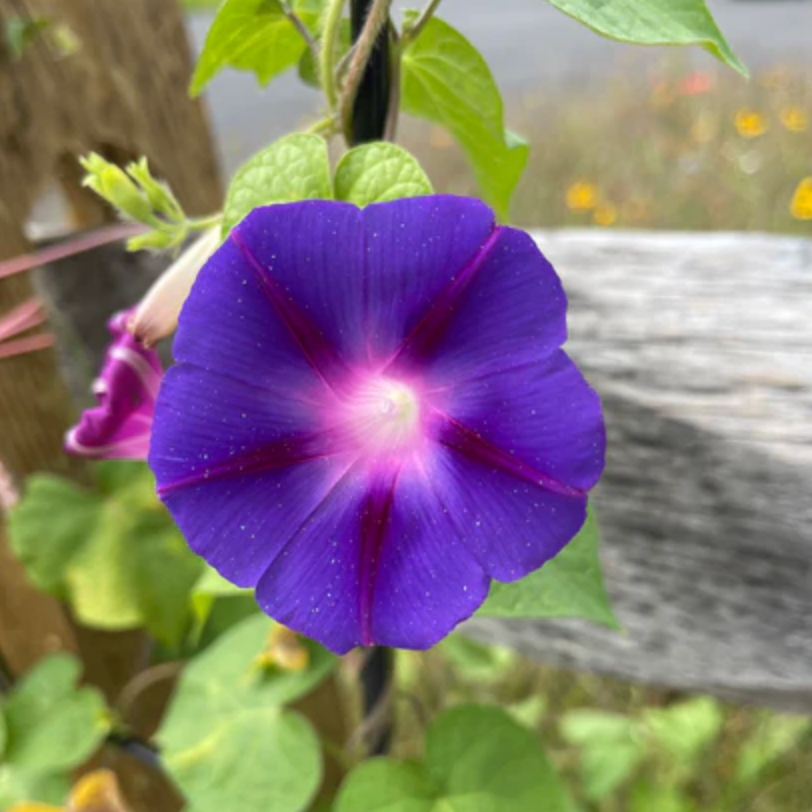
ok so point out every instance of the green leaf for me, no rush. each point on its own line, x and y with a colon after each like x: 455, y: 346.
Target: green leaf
x: 209, y: 587
x: 476, y: 661
x: 17, y: 787
x: 228, y: 741
x: 775, y: 737
x: 590, y: 727
x: 647, y: 796
x: 165, y: 571
x: 52, y: 725
x: 477, y: 760
x: 3, y: 731
x: 445, y: 80
x: 571, y: 585
x: 20, y: 31
x: 611, y: 750
x: 44, y: 546
x: 529, y: 711
x: 374, y: 173
x: 686, y: 729
x: 114, y: 554
x: 295, y: 167
x: 654, y: 22
x: 385, y: 785
x: 213, y: 584
x: 250, y: 35
x: 604, y: 768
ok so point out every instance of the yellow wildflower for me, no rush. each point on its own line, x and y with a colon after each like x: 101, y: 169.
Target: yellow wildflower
x: 795, y: 119
x: 605, y: 214
x: 750, y: 123
x: 284, y: 650
x: 801, y: 206
x: 582, y: 196
x: 97, y: 791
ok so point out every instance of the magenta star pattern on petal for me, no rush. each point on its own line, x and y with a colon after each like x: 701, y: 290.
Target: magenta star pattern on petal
x: 372, y: 416
x: 120, y: 426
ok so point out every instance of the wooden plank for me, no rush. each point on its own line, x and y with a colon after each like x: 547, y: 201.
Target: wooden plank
x: 701, y: 348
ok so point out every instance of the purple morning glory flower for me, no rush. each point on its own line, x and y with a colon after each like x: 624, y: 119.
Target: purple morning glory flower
x: 372, y: 417
x: 119, y: 427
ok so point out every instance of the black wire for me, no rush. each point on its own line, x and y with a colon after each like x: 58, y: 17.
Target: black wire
x: 371, y: 106
x: 376, y: 676
x: 368, y: 124
x: 136, y: 747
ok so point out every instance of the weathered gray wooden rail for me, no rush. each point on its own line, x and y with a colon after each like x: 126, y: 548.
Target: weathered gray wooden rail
x: 701, y: 347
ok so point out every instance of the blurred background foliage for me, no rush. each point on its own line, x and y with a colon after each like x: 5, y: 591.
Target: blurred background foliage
x: 620, y: 747
x: 673, y: 148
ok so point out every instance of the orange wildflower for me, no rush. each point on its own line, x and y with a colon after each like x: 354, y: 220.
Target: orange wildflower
x: 695, y: 83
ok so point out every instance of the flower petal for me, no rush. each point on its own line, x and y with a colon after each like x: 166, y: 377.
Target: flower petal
x: 505, y: 308
x: 313, y: 584
x: 366, y: 278
x: 308, y: 257
x: 228, y: 324
x: 157, y: 314
x: 415, y: 250
x: 238, y: 466
x: 379, y: 562
x: 511, y: 524
x: 543, y: 415
x: 119, y: 427
x: 427, y: 578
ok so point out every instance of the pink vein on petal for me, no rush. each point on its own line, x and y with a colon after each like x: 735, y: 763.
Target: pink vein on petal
x: 459, y: 438
x: 430, y: 328
x: 279, y: 454
x: 374, y: 522
x: 321, y: 356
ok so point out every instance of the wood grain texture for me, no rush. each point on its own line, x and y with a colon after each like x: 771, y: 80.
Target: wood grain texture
x: 701, y: 348
x: 122, y: 93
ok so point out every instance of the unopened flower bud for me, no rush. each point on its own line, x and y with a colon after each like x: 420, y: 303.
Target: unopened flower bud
x: 157, y: 315
x: 117, y: 188
x: 159, y: 194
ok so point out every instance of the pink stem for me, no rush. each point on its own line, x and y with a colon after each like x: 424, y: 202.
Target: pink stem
x: 92, y: 239
x: 23, y: 317
x: 22, y: 345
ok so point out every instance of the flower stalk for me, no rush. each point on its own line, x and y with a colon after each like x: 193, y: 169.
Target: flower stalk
x: 330, y: 28
x: 411, y: 33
